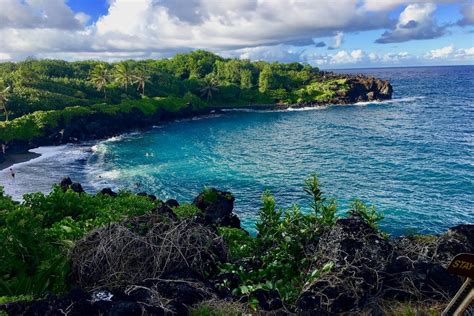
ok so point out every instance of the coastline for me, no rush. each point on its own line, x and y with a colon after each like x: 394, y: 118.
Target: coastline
x: 23, y: 154
x: 12, y: 159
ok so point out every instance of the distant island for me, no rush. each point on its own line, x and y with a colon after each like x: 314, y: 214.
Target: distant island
x: 52, y: 102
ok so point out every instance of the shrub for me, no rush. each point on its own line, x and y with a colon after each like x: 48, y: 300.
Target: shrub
x: 186, y: 211
x: 368, y: 213
x: 38, y: 234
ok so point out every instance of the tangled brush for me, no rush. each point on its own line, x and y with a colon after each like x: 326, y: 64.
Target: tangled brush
x: 144, y: 248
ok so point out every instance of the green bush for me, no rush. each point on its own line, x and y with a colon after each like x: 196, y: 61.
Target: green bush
x: 38, y: 234
x: 186, y: 211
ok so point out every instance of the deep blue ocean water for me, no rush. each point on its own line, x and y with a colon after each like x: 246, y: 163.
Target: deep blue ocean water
x: 412, y: 157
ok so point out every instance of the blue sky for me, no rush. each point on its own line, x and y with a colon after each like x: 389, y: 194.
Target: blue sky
x: 328, y: 34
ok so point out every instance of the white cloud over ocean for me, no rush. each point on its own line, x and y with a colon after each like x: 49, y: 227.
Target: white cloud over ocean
x: 264, y: 29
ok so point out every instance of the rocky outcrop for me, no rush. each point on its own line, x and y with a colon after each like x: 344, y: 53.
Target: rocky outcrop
x: 157, y: 264
x: 368, y: 267
x: 217, y: 207
x: 360, y: 256
x: 67, y: 183
x: 362, y: 89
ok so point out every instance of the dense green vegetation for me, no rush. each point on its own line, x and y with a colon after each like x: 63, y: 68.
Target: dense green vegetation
x: 38, y: 234
x: 37, y: 93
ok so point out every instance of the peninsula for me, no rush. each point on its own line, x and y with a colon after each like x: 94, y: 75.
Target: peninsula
x: 52, y: 102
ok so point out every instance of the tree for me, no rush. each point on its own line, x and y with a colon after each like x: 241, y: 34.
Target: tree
x: 3, y: 101
x: 140, y: 78
x: 246, y: 79
x: 266, y: 79
x: 210, y: 85
x: 123, y: 75
x: 100, y: 77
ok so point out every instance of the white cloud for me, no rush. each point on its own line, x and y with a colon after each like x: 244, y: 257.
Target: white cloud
x: 37, y: 14
x: 415, y: 22
x: 279, y: 30
x: 82, y: 17
x: 338, y: 39
x: 440, y: 52
x: 451, y: 53
x: 4, y: 57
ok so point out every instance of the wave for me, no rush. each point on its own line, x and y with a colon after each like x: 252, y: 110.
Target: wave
x: 397, y: 100
x: 197, y: 118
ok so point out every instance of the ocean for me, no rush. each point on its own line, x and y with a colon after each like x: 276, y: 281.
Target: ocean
x: 412, y: 157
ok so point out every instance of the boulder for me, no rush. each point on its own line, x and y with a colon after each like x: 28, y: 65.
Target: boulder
x: 172, y: 203
x: 217, y: 207
x: 67, y: 183
x: 150, y: 196
x: 360, y: 256
x: 418, y: 271
x: 108, y: 191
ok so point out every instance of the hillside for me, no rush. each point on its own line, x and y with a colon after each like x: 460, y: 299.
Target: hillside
x: 54, y: 101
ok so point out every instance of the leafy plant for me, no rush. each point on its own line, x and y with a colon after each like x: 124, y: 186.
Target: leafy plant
x: 186, y: 211
x: 368, y: 213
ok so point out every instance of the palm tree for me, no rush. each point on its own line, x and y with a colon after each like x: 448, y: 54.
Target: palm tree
x: 123, y: 75
x: 100, y: 77
x: 4, y: 100
x: 210, y: 85
x: 140, y: 77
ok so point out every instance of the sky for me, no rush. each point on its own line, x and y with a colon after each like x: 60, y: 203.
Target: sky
x: 329, y: 34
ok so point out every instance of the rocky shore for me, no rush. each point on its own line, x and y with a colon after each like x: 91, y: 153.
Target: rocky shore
x: 158, y: 264
x: 101, y: 125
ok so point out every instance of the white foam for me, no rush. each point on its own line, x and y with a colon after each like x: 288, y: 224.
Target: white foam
x: 398, y: 100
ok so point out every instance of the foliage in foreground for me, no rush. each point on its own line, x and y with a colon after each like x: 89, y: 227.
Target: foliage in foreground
x: 37, y: 234
x: 283, y: 251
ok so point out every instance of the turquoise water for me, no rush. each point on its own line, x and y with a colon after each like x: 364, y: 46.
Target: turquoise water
x: 412, y: 157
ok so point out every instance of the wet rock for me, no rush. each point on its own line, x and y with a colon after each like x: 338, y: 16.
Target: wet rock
x: 67, y: 183
x: 217, y: 207
x: 77, y: 187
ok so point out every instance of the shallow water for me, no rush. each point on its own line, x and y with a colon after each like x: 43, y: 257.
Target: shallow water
x: 412, y: 157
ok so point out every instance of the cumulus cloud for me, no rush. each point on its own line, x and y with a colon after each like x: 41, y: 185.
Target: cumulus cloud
x: 256, y: 29
x: 358, y: 56
x: 338, y: 39
x: 440, y: 52
x: 467, y: 12
x: 415, y: 22
x: 37, y: 14
x: 449, y: 52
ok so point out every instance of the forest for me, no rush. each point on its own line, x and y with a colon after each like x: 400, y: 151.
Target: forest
x: 39, y: 93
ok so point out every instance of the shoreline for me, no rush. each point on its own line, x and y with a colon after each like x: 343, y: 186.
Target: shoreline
x: 12, y: 159
x: 22, y: 155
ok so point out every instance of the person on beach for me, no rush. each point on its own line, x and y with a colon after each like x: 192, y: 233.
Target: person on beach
x: 4, y: 148
x: 12, y: 173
